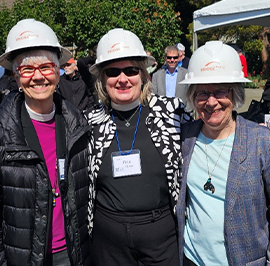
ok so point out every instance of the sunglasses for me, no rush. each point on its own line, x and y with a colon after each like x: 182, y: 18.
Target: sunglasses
x: 172, y: 57
x: 128, y: 71
x: 66, y: 65
x: 28, y: 71
x: 218, y: 94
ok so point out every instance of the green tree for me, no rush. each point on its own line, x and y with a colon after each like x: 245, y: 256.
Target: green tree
x: 246, y: 37
x: 155, y: 22
x: 83, y: 22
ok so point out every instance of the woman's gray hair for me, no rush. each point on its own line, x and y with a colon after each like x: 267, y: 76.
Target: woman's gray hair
x: 238, y: 93
x: 146, y: 83
x: 34, y: 55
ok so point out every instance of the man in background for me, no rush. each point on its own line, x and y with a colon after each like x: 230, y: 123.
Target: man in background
x: 152, y: 68
x: 166, y: 80
x: 183, y: 60
x: 243, y: 61
x: 73, y: 88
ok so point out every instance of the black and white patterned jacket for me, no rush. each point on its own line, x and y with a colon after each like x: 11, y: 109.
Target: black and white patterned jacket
x: 164, y: 124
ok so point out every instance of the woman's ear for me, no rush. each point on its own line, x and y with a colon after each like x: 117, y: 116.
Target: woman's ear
x: 17, y: 78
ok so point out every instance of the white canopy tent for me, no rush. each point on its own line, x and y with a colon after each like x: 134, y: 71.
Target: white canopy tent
x: 231, y: 12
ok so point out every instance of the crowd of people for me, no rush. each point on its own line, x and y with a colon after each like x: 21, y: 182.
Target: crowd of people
x: 106, y: 165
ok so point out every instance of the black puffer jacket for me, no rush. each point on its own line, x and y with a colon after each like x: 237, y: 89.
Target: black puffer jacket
x: 25, y: 189
x: 76, y: 91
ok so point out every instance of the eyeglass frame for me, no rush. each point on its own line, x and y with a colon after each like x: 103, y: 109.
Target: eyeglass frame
x: 214, y: 94
x: 67, y: 65
x: 37, y: 68
x: 122, y: 70
x: 172, y: 57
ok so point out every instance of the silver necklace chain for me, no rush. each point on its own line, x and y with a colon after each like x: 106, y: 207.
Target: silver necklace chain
x: 127, y: 124
x: 208, y: 185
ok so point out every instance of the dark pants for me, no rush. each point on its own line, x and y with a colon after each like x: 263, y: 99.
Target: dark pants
x: 58, y: 259
x: 188, y: 262
x: 134, y: 239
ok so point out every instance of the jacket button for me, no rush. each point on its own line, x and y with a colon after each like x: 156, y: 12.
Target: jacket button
x: 40, y: 255
x: 44, y: 217
x: 28, y: 156
x: 8, y: 156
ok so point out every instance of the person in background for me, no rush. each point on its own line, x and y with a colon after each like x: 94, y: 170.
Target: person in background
x: 7, y: 83
x: 133, y: 130
x: 153, y: 68
x: 183, y: 60
x: 43, y: 157
x: 166, y: 80
x: 89, y: 79
x: 73, y: 88
x: 243, y: 61
x: 225, y: 190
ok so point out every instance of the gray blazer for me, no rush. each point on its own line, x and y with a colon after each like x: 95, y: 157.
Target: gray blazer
x: 159, y: 84
x: 246, y: 225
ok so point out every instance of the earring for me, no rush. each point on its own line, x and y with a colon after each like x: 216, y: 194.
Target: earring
x: 20, y: 89
x: 56, y: 88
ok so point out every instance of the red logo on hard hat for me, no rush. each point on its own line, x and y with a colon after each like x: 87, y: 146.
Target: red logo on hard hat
x: 116, y: 47
x: 212, y: 66
x: 27, y: 35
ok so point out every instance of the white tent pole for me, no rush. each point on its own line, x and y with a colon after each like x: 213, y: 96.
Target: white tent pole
x: 195, y: 41
x: 195, y: 37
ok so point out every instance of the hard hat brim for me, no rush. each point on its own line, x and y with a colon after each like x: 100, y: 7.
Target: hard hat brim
x: 210, y: 80
x: 5, y: 61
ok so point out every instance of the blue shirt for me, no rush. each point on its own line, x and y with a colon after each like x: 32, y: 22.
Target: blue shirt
x: 204, y: 230
x: 171, y: 79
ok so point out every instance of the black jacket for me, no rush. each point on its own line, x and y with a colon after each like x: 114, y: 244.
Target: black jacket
x: 26, y: 193
x: 76, y: 91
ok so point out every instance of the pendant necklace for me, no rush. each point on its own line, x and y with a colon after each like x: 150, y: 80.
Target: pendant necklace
x: 127, y: 124
x: 208, y: 185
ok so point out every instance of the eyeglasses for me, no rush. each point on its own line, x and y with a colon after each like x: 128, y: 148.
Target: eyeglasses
x: 66, y: 65
x: 128, y: 71
x: 218, y: 94
x: 172, y: 57
x: 28, y: 71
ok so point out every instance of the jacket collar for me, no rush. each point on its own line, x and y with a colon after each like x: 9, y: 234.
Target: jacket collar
x: 239, y: 153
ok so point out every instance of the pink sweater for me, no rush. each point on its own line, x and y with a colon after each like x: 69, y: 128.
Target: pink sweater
x: 46, y: 135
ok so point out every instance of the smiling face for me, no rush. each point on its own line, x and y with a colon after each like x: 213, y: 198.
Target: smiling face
x: 70, y: 69
x: 123, y: 89
x: 172, y: 60
x: 38, y: 89
x: 215, y: 113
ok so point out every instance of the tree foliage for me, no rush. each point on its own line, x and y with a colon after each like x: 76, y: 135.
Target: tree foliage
x: 83, y: 22
x: 245, y: 37
x: 158, y: 23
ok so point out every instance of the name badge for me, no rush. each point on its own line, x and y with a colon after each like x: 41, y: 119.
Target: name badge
x: 126, y: 165
x: 61, y: 167
x: 267, y: 120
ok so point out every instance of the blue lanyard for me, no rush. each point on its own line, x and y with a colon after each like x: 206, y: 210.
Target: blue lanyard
x: 134, y: 137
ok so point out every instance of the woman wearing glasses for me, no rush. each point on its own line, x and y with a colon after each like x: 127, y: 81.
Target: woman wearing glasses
x: 225, y: 192
x: 44, y: 157
x: 135, y: 159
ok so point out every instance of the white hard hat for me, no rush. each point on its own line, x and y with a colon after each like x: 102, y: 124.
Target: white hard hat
x: 29, y: 33
x: 180, y: 47
x: 214, y: 62
x: 117, y: 44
